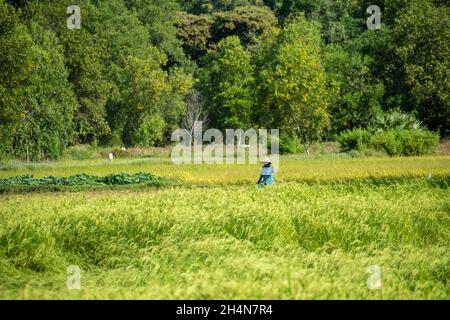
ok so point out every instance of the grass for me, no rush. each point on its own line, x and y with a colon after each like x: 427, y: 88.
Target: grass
x: 216, y: 236
x: 292, y: 169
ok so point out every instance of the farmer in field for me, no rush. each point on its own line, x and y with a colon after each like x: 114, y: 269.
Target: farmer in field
x: 267, y: 172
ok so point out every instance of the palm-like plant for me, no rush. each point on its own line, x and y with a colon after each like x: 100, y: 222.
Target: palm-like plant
x: 395, y: 120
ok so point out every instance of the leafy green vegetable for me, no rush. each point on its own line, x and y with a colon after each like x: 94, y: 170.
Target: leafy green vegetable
x: 78, y: 179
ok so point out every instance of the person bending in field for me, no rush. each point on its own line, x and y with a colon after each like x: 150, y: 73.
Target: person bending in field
x: 267, y: 172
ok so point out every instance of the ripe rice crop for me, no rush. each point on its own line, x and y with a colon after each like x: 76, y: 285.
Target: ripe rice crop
x: 312, y: 236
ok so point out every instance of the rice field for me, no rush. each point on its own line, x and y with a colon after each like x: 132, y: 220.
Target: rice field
x: 318, y: 234
x: 292, y: 169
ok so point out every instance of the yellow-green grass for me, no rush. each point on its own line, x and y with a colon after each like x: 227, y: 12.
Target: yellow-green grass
x: 291, y: 169
x: 216, y: 236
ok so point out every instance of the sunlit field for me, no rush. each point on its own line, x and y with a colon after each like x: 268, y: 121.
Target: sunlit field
x: 214, y: 235
x: 294, y: 168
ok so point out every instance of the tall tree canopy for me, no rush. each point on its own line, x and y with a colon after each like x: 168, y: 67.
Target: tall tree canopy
x: 311, y: 68
x: 291, y: 80
x: 226, y: 82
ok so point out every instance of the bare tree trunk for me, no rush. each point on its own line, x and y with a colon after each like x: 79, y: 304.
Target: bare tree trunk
x: 304, y: 141
x: 194, y: 112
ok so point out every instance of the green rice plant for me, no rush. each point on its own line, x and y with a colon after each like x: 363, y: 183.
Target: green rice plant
x: 312, y: 236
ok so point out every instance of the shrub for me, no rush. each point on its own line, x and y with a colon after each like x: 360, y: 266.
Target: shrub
x: 288, y: 146
x: 405, y: 142
x: 114, y: 139
x: 79, y: 152
x: 420, y: 142
x: 387, y: 141
x: 288, y: 143
x: 394, y: 142
x: 366, y: 153
x: 356, y: 139
x: 150, y: 131
x: 395, y: 119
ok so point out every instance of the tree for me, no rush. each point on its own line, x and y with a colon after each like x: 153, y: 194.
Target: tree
x: 247, y: 22
x: 159, y: 17
x: 210, y: 6
x: 35, y: 88
x: 174, y: 101
x: 423, y: 47
x: 226, y: 82
x: 340, y: 20
x: 144, y: 107
x: 355, y: 95
x: 409, y: 56
x: 195, y: 33
x: 195, y: 111
x: 89, y: 85
x: 291, y: 81
x: 83, y: 61
x: 202, y: 32
x: 14, y: 69
x: 121, y: 39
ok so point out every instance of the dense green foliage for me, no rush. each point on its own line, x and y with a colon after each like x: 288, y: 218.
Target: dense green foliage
x: 28, y: 182
x: 405, y: 142
x: 308, y: 67
x: 355, y: 139
x: 394, y: 133
x: 394, y: 142
x: 291, y: 81
x: 226, y: 82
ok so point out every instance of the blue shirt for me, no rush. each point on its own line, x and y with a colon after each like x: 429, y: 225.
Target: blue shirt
x: 266, y: 171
